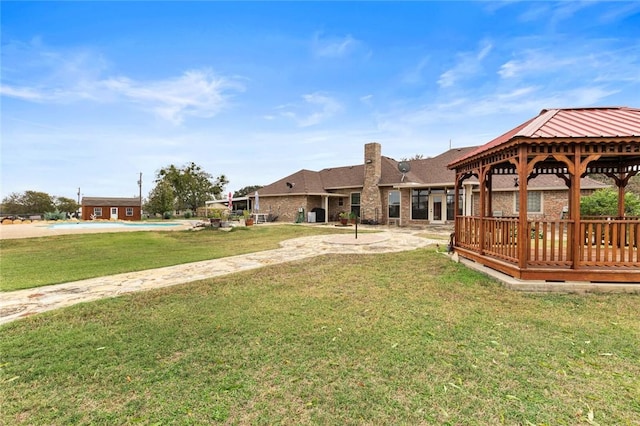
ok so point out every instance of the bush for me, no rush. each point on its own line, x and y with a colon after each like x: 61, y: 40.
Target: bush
x: 167, y: 215
x: 188, y: 214
x: 604, y: 202
x: 56, y: 215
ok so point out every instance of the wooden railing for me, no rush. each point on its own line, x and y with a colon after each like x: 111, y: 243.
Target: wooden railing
x: 501, y: 238
x: 550, y: 243
x: 603, y: 243
x: 610, y: 243
x: 468, y: 232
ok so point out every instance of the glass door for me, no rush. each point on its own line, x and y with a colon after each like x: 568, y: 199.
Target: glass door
x: 436, y: 207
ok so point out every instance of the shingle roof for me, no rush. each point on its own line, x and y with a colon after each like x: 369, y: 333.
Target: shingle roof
x: 343, y: 177
x: 541, y: 182
x: 597, y: 122
x: 433, y: 171
x: 110, y: 201
x: 302, y: 182
x: 424, y: 172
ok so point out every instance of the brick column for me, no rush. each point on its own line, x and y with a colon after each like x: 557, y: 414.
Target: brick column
x: 370, y: 199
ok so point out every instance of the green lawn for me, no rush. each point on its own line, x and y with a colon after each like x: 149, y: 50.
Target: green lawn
x: 34, y: 262
x: 404, y: 338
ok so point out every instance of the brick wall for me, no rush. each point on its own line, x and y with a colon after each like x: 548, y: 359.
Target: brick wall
x: 553, y: 203
x: 285, y: 207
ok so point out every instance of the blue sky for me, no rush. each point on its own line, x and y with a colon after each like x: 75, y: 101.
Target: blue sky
x: 94, y: 93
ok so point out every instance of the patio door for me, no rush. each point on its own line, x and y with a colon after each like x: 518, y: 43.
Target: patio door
x: 114, y: 213
x: 436, y: 205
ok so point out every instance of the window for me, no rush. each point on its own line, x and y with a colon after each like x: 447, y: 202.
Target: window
x: 355, y: 203
x: 534, y: 202
x: 394, y: 204
x: 97, y: 211
x: 129, y: 211
x: 450, y: 205
x: 419, y: 204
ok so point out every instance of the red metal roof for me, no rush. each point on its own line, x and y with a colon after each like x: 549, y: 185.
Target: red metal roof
x: 593, y: 122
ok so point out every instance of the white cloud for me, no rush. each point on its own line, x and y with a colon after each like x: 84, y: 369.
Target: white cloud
x: 468, y: 64
x: 366, y: 99
x: 537, y: 62
x: 591, y: 62
x: 26, y: 93
x: 197, y: 93
x: 66, y: 77
x: 414, y: 75
x: 334, y: 47
x: 317, y: 107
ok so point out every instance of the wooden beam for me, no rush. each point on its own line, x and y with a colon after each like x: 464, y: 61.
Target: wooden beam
x: 523, y: 238
x: 584, y: 163
x: 567, y: 161
x: 482, y: 176
x: 574, y: 209
x: 621, y: 180
x: 535, y: 160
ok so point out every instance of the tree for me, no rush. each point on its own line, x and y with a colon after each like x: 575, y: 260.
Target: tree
x: 604, y: 202
x: 191, y: 185
x: 247, y: 190
x: 161, y: 199
x: 633, y: 186
x: 12, y: 204
x: 29, y: 202
x: 66, y: 205
x: 415, y: 157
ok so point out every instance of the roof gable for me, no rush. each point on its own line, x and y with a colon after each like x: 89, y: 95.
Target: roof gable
x: 110, y: 201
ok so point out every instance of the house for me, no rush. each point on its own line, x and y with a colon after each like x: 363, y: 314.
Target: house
x: 564, y: 144
x: 417, y: 192
x: 111, y: 208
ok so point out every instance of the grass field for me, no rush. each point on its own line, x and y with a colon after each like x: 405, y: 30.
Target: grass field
x: 404, y: 338
x: 34, y: 262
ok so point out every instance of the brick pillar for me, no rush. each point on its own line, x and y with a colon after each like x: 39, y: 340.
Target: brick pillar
x: 370, y: 199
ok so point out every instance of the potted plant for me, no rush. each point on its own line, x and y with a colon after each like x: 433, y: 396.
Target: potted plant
x: 344, y: 218
x: 353, y: 217
x: 248, y: 220
x: 216, y: 218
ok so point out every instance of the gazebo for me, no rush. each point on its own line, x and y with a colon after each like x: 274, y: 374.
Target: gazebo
x: 570, y: 143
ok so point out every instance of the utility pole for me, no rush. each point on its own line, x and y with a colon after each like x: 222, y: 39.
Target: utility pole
x: 140, y: 188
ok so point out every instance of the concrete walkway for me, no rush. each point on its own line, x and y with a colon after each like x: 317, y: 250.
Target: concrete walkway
x: 21, y: 303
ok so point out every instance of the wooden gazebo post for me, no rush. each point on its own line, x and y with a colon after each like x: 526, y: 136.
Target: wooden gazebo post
x: 523, y: 238
x: 482, y: 177
x: 574, y: 210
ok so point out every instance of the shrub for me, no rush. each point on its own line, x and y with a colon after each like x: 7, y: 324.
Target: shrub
x: 56, y: 215
x: 604, y: 202
x: 167, y: 215
x: 188, y: 214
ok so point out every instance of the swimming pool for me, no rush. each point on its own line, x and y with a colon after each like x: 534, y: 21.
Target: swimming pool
x: 106, y: 225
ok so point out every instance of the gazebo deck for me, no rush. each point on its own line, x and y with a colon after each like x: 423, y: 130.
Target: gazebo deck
x: 608, y: 250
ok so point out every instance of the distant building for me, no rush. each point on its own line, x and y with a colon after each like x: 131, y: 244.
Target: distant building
x: 111, y: 208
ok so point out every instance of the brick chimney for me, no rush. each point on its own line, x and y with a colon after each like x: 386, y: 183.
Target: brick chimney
x: 371, y: 201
